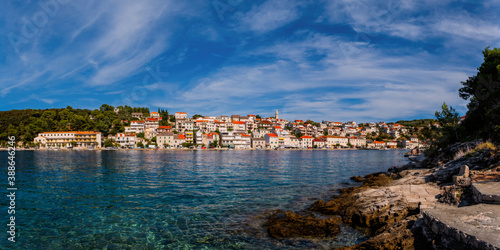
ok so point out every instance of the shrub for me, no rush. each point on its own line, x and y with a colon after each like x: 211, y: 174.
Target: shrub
x: 485, y: 145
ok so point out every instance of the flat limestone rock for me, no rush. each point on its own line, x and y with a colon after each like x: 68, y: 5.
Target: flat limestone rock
x: 477, y: 226
x: 488, y: 192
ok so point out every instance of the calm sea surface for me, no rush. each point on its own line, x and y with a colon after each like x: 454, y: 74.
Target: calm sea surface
x: 173, y: 199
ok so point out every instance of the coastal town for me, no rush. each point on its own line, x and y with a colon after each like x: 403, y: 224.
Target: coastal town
x: 236, y: 132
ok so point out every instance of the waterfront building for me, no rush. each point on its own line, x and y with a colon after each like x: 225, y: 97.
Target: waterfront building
x: 379, y: 144
x: 333, y: 140
x: 78, y: 139
x: 319, y: 142
x: 227, y: 139
x: 179, y: 139
x: 370, y: 144
x: 391, y: 144
x: 165, y: 138
x: 357, y: 142
x: 242, y: 141
x: 306, y: 141
x: 206, y: 139
x: 258, y: 142
x: 126, y: 140
x: 272, y: 140
x: 189, y: 136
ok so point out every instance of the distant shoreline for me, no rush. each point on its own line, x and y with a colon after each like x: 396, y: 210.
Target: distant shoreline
x: 213, y: 149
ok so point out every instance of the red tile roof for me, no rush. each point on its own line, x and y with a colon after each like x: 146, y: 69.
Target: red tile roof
x: 272, y: 135
x: 306, y: 137
x: 238, y: 122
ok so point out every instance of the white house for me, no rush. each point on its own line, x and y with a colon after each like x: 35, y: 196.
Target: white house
x: 272, y: 140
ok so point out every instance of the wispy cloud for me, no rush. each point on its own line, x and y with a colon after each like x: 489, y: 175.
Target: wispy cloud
x: 387, y: 86
x: 269, y: 15
x: 335, y: 60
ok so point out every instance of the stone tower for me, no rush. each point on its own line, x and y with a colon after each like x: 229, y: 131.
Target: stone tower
x: 276, y: 115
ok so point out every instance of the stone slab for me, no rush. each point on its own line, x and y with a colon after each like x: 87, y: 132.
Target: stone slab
x: 488, y: 192
x: 477, y: 226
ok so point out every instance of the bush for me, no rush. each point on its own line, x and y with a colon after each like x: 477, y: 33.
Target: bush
x: 485, y: 145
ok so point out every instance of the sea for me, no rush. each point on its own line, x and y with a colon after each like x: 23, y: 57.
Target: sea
x: 145, y: 199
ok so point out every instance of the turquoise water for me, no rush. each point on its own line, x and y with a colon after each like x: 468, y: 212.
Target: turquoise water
x: 174, y: 199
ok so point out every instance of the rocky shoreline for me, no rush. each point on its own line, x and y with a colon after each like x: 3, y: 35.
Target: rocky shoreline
x: 407, y: 207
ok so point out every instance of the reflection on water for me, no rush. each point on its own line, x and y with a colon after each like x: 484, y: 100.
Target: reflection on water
x: 175, y: 199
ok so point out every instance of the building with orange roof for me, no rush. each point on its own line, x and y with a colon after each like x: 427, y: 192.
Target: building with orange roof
x: 306, y: 141
x: 126, y: 140
x: 379, y: 144
x: 77, y: 139
x: 319, y: 142
x: 180, y: 115
x: 153, y: 123
x: 239, y: 126
x: 265, y: 124
x: 162, y: 129
x: 272, y: 140
x: 154, y: 115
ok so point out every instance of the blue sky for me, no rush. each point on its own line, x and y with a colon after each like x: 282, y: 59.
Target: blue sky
x: 360, y: 60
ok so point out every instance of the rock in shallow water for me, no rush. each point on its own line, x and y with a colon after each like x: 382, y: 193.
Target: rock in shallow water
x: 287, y: 224
x: 357, y: 178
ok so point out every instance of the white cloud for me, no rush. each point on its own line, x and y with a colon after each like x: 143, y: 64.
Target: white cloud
x: 270, y: 15
x: 469, y: 28
x: 97, y: 43
x: 389, y: 86
x: 412, y: 20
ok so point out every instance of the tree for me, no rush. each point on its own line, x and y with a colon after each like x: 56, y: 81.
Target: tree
x: 109, y: 143
x: 483, y: 92
x: 448, y: 118
x: 140, y: 144
x: 140, y: 135
x: 196, y: 116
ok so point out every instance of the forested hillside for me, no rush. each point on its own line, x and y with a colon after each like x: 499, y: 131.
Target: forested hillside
x: 26, y: 124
